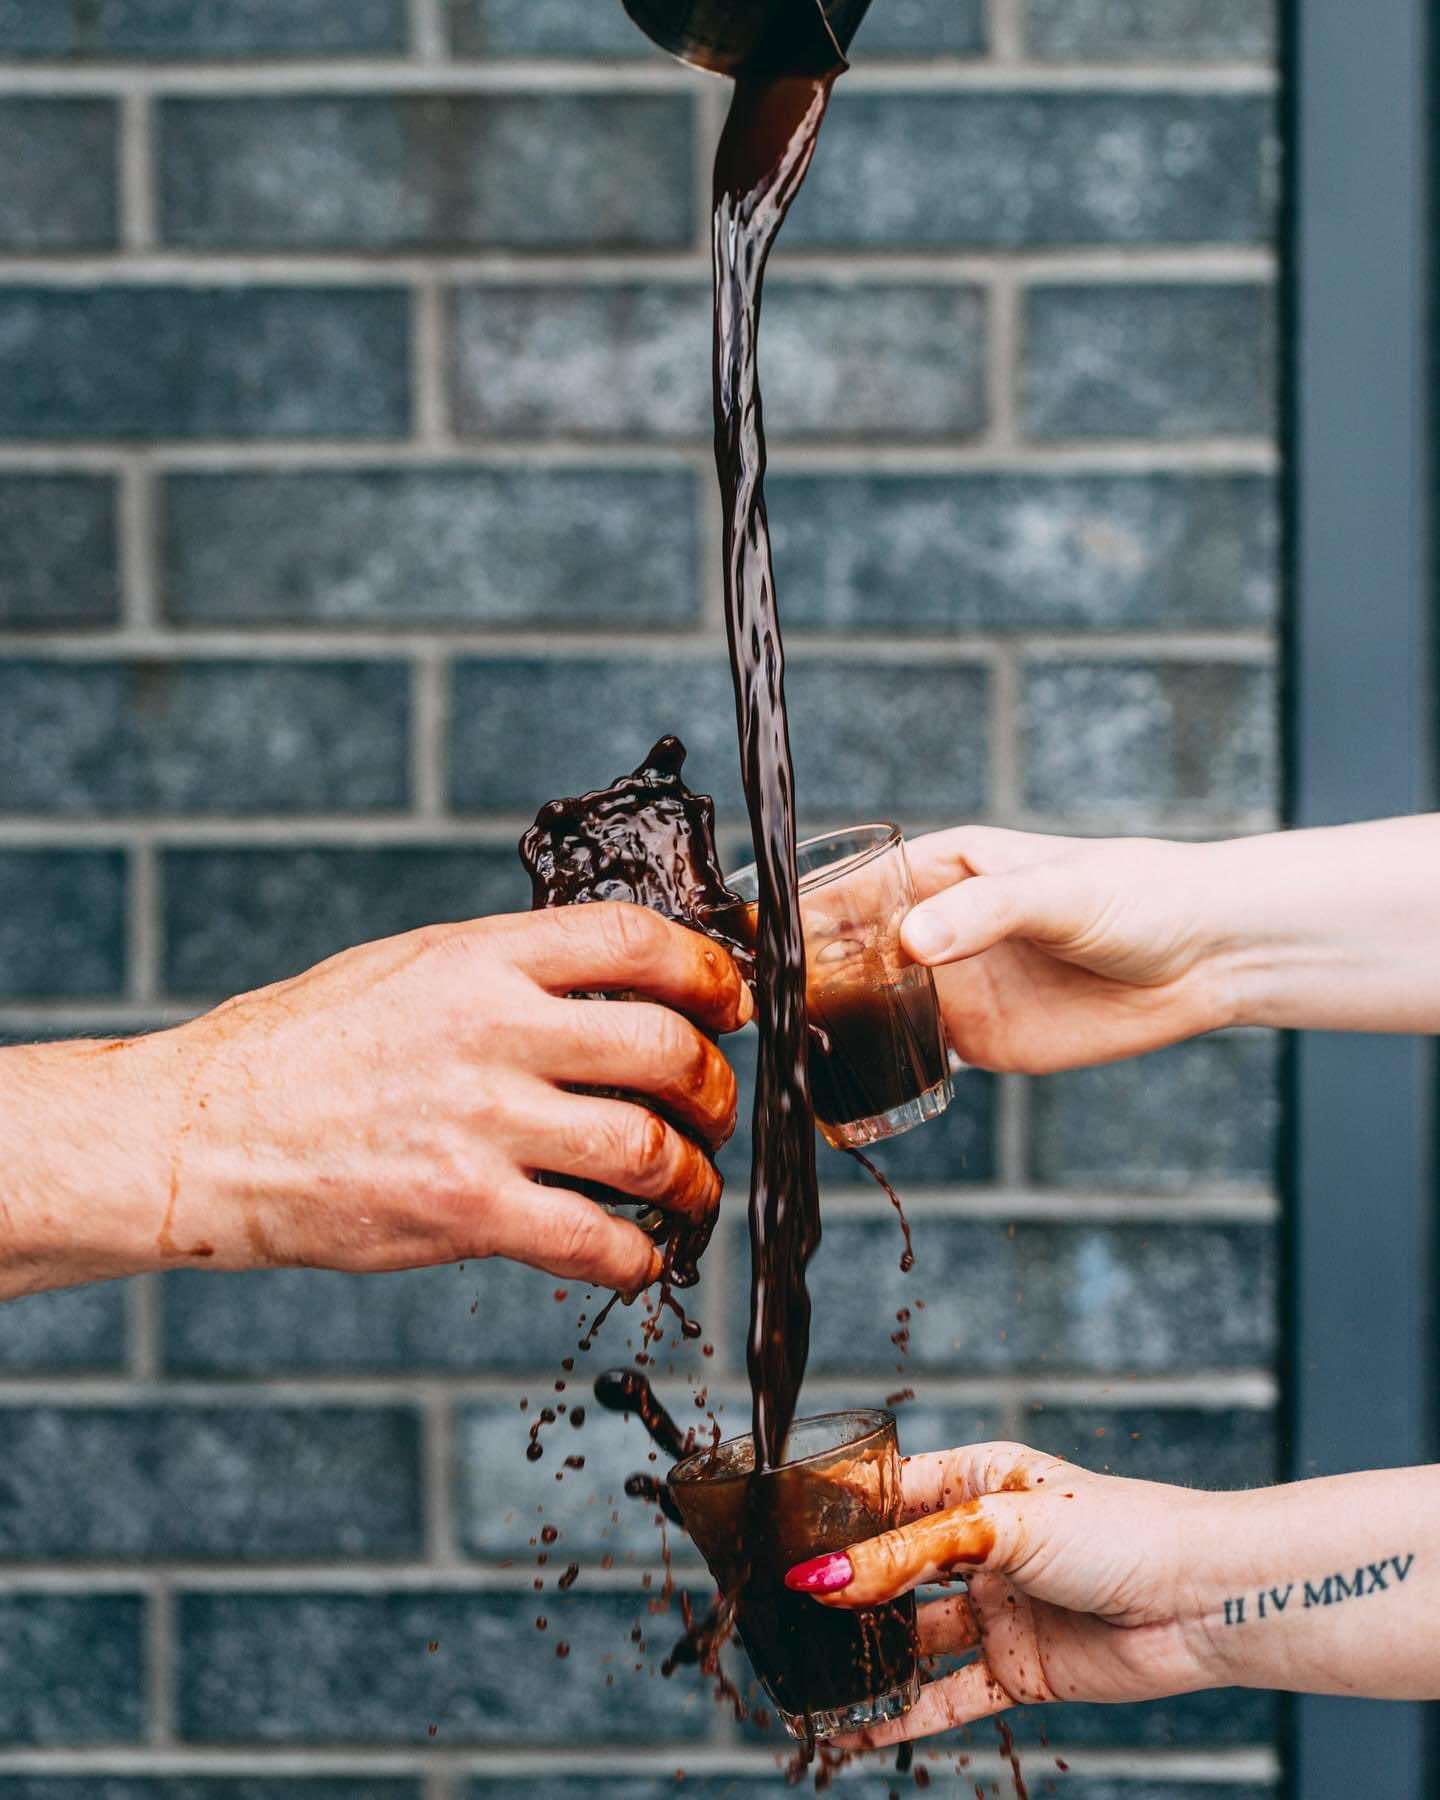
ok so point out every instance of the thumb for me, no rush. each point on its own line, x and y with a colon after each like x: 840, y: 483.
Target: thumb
x: 982, y: 910
x: 989, y: 1534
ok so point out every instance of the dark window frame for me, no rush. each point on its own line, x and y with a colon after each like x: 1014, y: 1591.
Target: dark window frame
x: 1361, y: 104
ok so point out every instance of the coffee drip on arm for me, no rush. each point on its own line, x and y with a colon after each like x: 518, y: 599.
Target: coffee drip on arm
x: 649, y: 840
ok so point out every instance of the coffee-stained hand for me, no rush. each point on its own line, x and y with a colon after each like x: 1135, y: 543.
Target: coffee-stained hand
x: 391, y: 1108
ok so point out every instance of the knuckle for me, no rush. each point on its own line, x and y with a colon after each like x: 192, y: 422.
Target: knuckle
x: 579, y: 1239
x: 634, y: 934
x: 645, y: 1147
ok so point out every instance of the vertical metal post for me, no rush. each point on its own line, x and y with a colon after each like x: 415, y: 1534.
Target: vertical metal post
x: 1363, y: 1346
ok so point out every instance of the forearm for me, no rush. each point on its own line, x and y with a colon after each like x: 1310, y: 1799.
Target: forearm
x: 83, y: 1129
x: 1326, y: 1587
x: 1331, y: 930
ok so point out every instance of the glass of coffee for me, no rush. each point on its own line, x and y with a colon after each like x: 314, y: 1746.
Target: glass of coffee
x: 827, y: 1669
x: 878, y: 1059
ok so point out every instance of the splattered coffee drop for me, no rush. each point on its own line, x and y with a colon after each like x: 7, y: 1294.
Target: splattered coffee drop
x: 569, y: 1578
x: 562, y: 1649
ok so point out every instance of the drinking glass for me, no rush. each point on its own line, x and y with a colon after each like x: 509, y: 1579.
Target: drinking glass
x: 879, y: 1064
x: 827, y: 1669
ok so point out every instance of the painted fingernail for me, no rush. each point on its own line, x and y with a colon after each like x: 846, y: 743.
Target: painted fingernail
x: 821, y: 1575
x: 925, y: 936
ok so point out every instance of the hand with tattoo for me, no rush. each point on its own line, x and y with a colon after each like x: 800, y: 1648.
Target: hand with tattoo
x: 388, y: 1109
x: 1092, y: 1587
x: 1053, y: 953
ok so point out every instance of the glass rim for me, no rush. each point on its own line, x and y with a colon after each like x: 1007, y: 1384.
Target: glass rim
x: 879, y: 1419
x: 892, y: 835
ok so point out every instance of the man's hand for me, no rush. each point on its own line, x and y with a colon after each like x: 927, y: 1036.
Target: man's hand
x: 392, y: 1107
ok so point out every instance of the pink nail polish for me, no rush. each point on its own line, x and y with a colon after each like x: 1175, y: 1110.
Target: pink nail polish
x: 821, y: 1575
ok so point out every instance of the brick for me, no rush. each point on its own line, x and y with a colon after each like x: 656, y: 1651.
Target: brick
x: 133, y: 1483
x: 1148, y: 738
x: 1103, y: 1298
x: 126, y: 362
x: 1203, y: 1111
x: 390, y: 172
x: 1196, y: 1448
x: 913, y: 28
x: 490, y: 546
x: 71, y: 1668
x: 67, y: 1330
x: 897, y: 553
x: 1158, y: 360
x: 240, y: 737
x: 1040, y: 169
x: 241, y: 918
x: 353, y: 1668
x: 208, y: 1787
x: 1221, y: 1717
x: 542, y: 28
x: 1118, y: 30
x: 201, y: 28
x: 957, y: 1148
x: 62, y: 924
x: 58, y: 551
x: 626, y: 361
x: 876, y: 739
x: 491, y: 1316
x: 60, y: 178
x: 502, y: 1500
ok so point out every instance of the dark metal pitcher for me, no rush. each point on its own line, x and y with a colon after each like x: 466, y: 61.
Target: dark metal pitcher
x: 728, y: 35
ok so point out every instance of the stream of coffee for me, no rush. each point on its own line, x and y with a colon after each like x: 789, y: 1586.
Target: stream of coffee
x: 764, y: 152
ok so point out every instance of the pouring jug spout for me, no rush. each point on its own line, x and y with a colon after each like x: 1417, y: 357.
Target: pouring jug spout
x: 726, y: 36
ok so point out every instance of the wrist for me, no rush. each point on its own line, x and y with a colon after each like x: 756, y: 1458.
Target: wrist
x: 1222, y: 1551
x: 82, y: 1133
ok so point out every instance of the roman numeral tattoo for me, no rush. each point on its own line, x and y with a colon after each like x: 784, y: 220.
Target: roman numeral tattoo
x: 1370, y: 1578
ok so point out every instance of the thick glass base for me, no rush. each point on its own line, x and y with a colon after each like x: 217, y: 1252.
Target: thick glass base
x: 856, y: 1716
x: 857, y: 1133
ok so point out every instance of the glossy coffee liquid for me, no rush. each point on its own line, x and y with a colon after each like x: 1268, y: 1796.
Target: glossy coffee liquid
x: 873, y: 1053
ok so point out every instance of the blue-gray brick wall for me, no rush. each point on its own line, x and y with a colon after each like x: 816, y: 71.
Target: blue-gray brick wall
x: 356, y: 497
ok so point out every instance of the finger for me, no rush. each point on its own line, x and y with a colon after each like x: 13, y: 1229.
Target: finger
x: 608, y: 947
x: 947, y: 1626
x: 993, y: 1533
x: 970, y: 1693
x: 644, y: 1049
x: 938, y: 1479
x: 1047, y: 904
x: 622, y: 1146
x: 942, y: 857
x: 565, y: 1234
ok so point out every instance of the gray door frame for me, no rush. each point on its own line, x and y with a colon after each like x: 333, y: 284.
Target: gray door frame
x: 1361, y: 694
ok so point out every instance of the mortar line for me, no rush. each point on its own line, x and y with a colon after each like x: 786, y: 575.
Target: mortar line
x: 429, y: 727
x: 1101, y: 456
x: 1222, y: 1764
x: 429, y: 39
x: 137, y: 171
x: 1007, y: 37
x: 160, y: 1661
x: 437, y: 1476
x: 1004, y: 737
x: 1214, y: 264
x: 143, y: 924
x: 412, y: 75
x: 1013, y: 1108
x: 321, y: 1390
x: 499, y: 831
x: 1003, y: 382
x: 142, y: 1330
x: 363, y: 643
x: 429, y: 366
x: 137, y: 521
